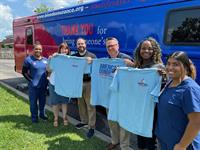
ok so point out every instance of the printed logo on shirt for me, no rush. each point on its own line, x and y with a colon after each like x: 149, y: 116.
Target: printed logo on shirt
x: 142, y: 83
x: 107, y: 70
x: 33, y: 63
x: 74, y: 65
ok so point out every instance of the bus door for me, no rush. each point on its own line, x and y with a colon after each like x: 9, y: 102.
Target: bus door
x: 29, y: 40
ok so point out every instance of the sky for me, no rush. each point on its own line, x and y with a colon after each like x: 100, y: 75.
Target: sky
x: 11, y: 9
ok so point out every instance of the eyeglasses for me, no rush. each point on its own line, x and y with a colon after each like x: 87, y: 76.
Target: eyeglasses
x: 109, y: 46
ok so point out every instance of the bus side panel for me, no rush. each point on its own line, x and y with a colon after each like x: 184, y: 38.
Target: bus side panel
x: 46, y: 39
x: 19, y: 47
x: 129, y: 26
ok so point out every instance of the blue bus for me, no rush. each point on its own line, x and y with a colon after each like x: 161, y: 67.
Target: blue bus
x: 175, y: 24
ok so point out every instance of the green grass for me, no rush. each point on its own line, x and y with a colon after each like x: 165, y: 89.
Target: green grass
x: 18, y: 133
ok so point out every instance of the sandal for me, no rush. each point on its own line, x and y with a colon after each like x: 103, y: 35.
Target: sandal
x: 65, y: 122
x: 55, y: 123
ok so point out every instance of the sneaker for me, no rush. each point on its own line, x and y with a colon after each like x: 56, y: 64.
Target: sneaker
x: 81, y: 125
x: 43, y: 118
x: 90, y: 133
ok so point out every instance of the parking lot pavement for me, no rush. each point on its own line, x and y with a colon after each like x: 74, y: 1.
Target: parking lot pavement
x: 7, y: 69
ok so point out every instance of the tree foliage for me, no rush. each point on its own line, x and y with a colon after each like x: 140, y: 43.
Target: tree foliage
x: 188, y: 31
x: 42, y: 8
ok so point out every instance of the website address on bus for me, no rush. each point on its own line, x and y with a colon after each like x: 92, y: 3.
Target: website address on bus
x: 63, y: 12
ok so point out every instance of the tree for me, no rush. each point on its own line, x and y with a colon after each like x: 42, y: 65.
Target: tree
x: 42, y: 8
x: 80, y: 1
x: 188, y: 31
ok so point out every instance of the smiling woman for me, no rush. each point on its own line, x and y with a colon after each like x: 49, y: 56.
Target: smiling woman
x: 181, y: 97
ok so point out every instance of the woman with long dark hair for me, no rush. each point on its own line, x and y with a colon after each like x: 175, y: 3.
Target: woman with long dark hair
x: 178, y: 122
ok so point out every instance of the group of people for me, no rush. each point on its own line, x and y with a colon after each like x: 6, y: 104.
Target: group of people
x: 176, y: 119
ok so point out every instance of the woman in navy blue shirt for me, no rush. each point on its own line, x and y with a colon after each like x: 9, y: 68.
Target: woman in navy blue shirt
x: 34, y: 70
x: 178, y: 123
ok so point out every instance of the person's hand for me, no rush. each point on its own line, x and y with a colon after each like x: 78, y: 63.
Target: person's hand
x: 179, y: 147
x: 89, y: 60
x: 162, y: 72
x: 128, y: 62
x: 114, y: 69
x: 54, y: 54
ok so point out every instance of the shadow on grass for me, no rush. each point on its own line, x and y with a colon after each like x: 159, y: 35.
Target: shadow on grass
x: 43, y: 127
x: 23, y: 122
x: 70, y: 144
x: 62, y: 137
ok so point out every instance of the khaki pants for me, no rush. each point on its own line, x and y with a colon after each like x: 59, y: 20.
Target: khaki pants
x: 87, y: 112
x: 119, y: 135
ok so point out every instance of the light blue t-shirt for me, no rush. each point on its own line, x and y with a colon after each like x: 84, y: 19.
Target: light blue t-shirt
x: 133, y: 97
x: 102, y: 75
x: 69, y: 72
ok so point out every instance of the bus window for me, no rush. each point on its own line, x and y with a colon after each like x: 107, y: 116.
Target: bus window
x: 29, y: 36
x: 183, y: 27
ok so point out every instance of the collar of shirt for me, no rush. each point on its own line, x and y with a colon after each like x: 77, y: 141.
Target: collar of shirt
x: 82, y: 54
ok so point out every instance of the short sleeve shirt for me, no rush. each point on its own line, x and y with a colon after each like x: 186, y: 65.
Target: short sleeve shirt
x: 175, y: 103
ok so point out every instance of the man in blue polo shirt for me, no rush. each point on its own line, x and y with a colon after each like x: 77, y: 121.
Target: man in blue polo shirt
x: 34, y: 70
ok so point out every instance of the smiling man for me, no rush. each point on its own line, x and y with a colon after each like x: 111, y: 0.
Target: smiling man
x: 87, y: 112
x: 119, y: 136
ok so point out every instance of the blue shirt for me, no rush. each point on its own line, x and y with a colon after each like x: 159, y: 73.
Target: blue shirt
x: 69, y: 72
x: 37, y: 70
x: 175, y: 103
x: 133, y: 97
x: 102, y: 74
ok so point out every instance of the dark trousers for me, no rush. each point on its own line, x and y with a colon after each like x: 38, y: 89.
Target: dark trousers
x: 37, y: 94
x: 149, y: 143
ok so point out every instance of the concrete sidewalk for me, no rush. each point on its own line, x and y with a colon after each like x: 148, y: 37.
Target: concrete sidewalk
x: 7, y: 69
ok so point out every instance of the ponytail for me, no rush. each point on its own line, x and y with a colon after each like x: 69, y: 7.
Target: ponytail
x: 192, y: 70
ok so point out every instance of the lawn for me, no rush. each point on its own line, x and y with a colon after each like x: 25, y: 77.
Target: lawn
x: 18, y: 133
